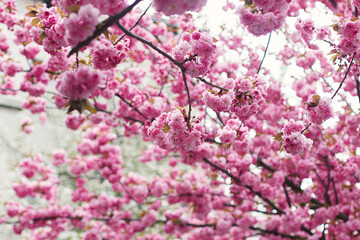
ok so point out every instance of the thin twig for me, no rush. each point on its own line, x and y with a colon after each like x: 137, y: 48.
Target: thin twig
x: 176, y: 63
x: 130, y: 105
x: 267, y: 46
x: 150, y: 44
x: 220, y: 119
x: 128, y: 193
x: 103, y: 26
x: 326, y: 192
x: 347, y: 71
x: 137, y: 22
x: 211, y: 84
x: 188, y: 95
x: 334, y: 187
x: 279, y: 211
x: 358, y: 87
x: 273, y: 232
x: 287, y: 196
x: 342, y: 98
x: 305, y: 128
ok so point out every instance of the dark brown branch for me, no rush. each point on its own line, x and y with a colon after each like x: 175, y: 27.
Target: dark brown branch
x: 356, y: 11
x: 150, y: 44
x: 358, y: 86
x: 335, y: 192
x: 262, y: 231
x: 334, y: 3
x: 211, y: 84
x: 342, y: 98
x: 287, y: 196
x: 176, y: 63
x: 306, y: 128
x: 273, y: 232
x: 130, y: 105
x: 266, y: 49
x: 188, y: 96
x: 137, y: 22
x: 326, y: 192
x: 289, y: 182
x: 307, y: 230
x: 103, y: 26
x: 271, y: 204
x: 220, y: 119
x: 347, y: 71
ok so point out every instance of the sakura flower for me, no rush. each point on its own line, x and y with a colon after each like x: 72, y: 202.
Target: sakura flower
x: 78, y: 85
x: 320, y: 110
x: 171, y: 7
x: 81, y: 25
x: 294, y: 142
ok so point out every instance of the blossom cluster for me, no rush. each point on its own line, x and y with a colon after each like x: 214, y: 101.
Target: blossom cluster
x: 348, y: 41
x: 108, y: 7
x: 294, y: 142
x: 104, y: 55
x: 79, y: 84
x: 250, y: 93
x: 264, y: 17
x: 172, y: 131
x: 233, y: 135
x: 196, y: 51
x: 97, y: 141
x: 171, y: 7
x: 45, y: 185
x: 35, y: 81
x: 48, y: 29
x: 242, y: 96
x: 306, y: 29
x: 81, y: 25
x: 319, y: 109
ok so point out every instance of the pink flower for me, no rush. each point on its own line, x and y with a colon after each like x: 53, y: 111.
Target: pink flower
x: 74, y: 121
x: 356, y: 3
x: 292, y: 126
x: 171, y: 7
x: 10, y: 68
x: 296, y: 143
x: 80, y: 84
x: 261, y: 23
x: 35, y: 104
x: 59, y: 157
x: 139, y: 193
x: 81, y: 25
x: 104, y: 55
x: 30, y: 51
x: 322, y: 112
x: 223, y: 226
x: 26, y: 125
x: 197, y: 50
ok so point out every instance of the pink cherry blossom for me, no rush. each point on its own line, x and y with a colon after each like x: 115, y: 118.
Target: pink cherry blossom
x: 79, y: 84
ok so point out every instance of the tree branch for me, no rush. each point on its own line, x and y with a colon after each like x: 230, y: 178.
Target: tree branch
x: 358, y: 87
x: 347, y: 71
x: 188, y: 95
x: 130, y: 105
x: 137, y: 22
x: 103, y: 26
x: 246, y: 186
x: 150, y: 44
x: 211, y: 84
x: 287, y: 196
x: 267, y: 46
